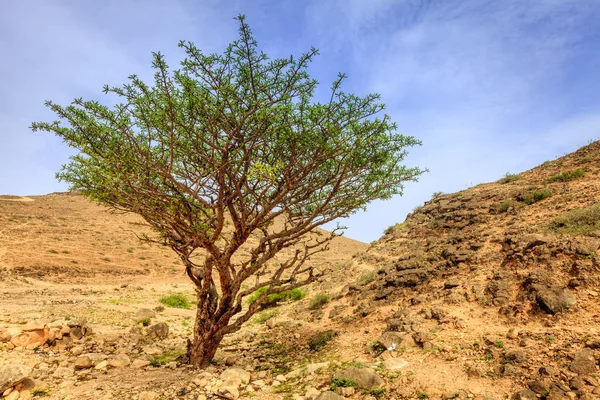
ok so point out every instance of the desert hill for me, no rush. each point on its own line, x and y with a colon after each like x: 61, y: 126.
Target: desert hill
x: 489, y: 293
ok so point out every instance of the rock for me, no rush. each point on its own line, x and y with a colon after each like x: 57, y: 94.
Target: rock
x: 280, y: 378
x: 516, y: 356
x: 4, y: 336
x: 311, y: 393
x: 62, y: 373
x: 236, y: 373
x: 14, y: 395
x: 159, y: 331
x: 145, y: 313
x: 120, y: 360
x: 77, y: 322
x: 347, y: 391
x: 548, y: 371
x: 148, y: 396
x: 394, y: 364
x: 312, y: 368
x: 34, y: 326
x: 525, y: 395
x: 82, y: 363
x: 231, y: 360
x: 77, y: 350
x: 539, y: 387
x: 152, y: 350
x: 395, y: 340
x: 583, y: 362
x: 13, y: 374
x: 365, y: 378
x: 451, y: 284
x: 421, y: 337
x: 31, y: 339
x: 553, y: 300
x: 329, y: 395
x: 228, y: 392
x: 76, y: 332
x: 512, y: 333
x: 139, y: 363
x: 101, y: 365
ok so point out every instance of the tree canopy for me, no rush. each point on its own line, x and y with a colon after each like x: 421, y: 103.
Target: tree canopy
x: 215, y: 152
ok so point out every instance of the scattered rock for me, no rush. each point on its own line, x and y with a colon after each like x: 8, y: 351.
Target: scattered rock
x: 516, y: 356
x: 31, y: 339
x: 82, y: 363
x: 145, y: 313
x: 583, y: 362
x: 394, y: 364
x: 13, y: 374
x: 539, y: 387
x: 148, y: 396
x: 365, y: 378
x: 553, y: 300
x: 120, y: 360
x: 159, y: 331
x: 525, y: 395
x: 329, y: 395
x: 236, y: 373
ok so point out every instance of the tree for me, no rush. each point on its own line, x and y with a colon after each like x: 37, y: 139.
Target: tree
x: 214, y: 153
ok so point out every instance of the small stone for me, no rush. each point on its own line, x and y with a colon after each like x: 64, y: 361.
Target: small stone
x: 539, y: 387
x: 311, y: 393
x: 276, y: 383
x: 513, y: 333
x: 329, y: 395
x: 394, y: 364
x: 228, y: 392
x: 82, y: 363
x: 77, y: 350
x: 120, y: 360
x: 525, y: 395
x: 139, y: 363
x: 516, y: 356
x: 101, y: 365
x: 159, y: 331
x: 347, y: 391
x: 451, y: 284
x: 281, y: 378
x: 34, y: 326
x: 365, y: 378
x: 231, y: 360
x: 583, y: 362
x: 236, y: 373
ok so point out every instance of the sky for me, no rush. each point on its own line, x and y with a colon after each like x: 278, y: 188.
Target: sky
x: 489, y: 87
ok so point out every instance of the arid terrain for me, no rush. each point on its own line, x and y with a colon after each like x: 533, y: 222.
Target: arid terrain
x: 489, y: 293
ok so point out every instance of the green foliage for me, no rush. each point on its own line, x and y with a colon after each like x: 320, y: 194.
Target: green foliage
x: 176, y: 301
x: 375, y: 392
x: 566, y: 176
x: 264, y: 316
x: 579, y: 221
x: 143, y: 321
x: 504, y: 206
x: 508, y: 178
x: 166, y: 357
x: 275, y: 298
x: 42, y: 392
x: 342, y: 382
x: 319, y: 300
x: 366, y: 278
x: 235, y: 139
x: 535, y: 196
x: 499, y: 344
x: 435, y: 195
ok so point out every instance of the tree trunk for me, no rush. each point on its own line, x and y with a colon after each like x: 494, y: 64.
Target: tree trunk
x: 202, y: 349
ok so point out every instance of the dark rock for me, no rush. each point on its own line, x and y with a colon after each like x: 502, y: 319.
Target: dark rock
x: 548, y: 371
x: 395, y: 339
x: 539, y: 387
x: 516, y: 356
x: 159, y: 331
x: 320, y: 339
x: 365, y: 378
x: 583, y: 363
x: 594, y: 344
x: 383, y: 293
x: 554, y: 300
x: 525, y: 395
x: 451, y: 284
x: 421, y: 337
x: 577, y: 383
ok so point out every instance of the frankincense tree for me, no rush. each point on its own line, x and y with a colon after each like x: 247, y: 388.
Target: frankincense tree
x: 212, y: 154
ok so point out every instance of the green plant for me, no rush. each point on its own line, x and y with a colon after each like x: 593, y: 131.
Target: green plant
x: 535, y: 196
x: 320, y: 339
x: 143, y: 321
x: 41, y: 392
x: 504, y: 206
x: 422, y: 395
x: 275, y: 298
x: 176, y: 301
x: 319, y: 300
x: 566, y: 176
x: 499, y: 344
x: 159, y: 308
x: 366, y: 278
x: 264, y: 316
x: 508, y: 178
x: 393, y: 228
x: 212, y: 154
x: 342, y: 382
x: 435, y: 195
x: 375, y: 392
x: 578, y: 221
x: 166, y: 357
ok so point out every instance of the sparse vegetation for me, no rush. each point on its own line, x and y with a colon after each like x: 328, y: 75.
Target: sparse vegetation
x: 319, y: 300
x: 578, y: 221
x: 143, y: 321
x: 176, y: 301
x: 535, y: 196
x: 393, y: 228
x: 566, y: 176
x: 508, y: 178
x: 41, y: 392
x: 366, y: 278
x: 168, y: 356
x: 320, y: 339
x: 504, y: 206
x: 264, y: 316
x: 435, y: 195
x: 342, y: 382
x: 275, y: 298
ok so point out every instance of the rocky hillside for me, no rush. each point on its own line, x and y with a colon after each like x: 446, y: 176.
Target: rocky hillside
x: 512, y: 265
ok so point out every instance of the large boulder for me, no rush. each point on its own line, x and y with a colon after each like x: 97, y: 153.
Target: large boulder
x: 583, y: 362
x: 31, y: 339
x: 554, y: 300
x: 365, y: 378
x: 12, y: 374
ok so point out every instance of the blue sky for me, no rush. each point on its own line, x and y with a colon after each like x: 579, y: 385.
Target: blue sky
x: 489, y: 86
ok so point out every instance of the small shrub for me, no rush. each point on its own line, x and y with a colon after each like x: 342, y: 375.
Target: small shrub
x: 435, y: 195
x: 508, y: 178
x: 535, y: 196
x: 319, y: 300
x: 417, y: 209
x: 578, y: 221
x: 499, y: 344
x: 342, y: 382
x: 40, y: 392
x: 144, y: 321
x: 504, y: 206
x: 52, y: 251
x: 275, y: 298
x: 366, y: 278
x: 375, y: 392
x: 159, y: 308
x: 264, y: 316
x: 176, y: 301
x: 566, y: 176
x: 392, y: 228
